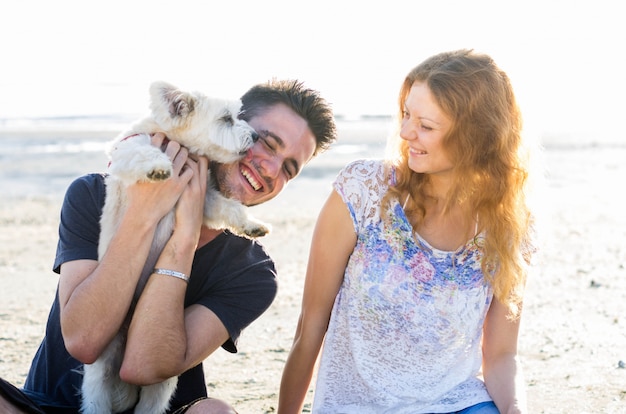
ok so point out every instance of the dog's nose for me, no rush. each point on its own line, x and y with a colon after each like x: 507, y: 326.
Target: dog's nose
x: 255, y: 136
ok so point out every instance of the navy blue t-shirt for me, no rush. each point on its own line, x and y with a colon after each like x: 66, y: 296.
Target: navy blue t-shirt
x: 232, y: 276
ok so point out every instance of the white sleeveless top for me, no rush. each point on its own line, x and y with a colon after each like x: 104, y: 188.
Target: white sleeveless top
x: 406, y: 326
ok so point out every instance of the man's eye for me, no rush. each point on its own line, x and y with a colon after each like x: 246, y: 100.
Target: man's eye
x: 268, y: 143
x: 288, y: 173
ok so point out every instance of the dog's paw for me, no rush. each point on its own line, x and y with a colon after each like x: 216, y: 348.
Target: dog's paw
x: 158, y: 174
x: 256, y: 230
x: 133, y: 159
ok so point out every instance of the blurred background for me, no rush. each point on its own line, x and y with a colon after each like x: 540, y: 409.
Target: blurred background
x: 65, y: 61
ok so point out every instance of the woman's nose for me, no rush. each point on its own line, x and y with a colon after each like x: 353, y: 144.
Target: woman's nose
x: 407, y: 132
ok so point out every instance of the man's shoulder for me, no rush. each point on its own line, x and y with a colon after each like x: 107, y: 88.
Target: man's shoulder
x: 228, y: 243
x: 91, y: 183
x: 230, y: 260
x: 85, y: 194
x: 91, y: 179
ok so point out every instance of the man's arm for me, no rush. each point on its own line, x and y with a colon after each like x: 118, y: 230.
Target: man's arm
x: 164, y: 338
x: 95, y: 295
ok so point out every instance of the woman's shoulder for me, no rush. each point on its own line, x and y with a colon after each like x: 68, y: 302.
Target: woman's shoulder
x: 367, y: 163
x: 363, y: 168
x: 363, y: 183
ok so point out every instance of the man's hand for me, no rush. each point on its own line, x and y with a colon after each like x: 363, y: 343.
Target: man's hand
x: 159, y: 344
x: 192, y: 171
x: 190, y: 206
x: 153, y: 200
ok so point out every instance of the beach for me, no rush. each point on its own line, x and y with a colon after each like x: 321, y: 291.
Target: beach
x: 572, y: 343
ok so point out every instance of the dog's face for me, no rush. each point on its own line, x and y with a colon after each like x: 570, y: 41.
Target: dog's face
x: 206, y: 126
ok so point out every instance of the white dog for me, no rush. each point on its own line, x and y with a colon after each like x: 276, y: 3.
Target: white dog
x: 207, y: 127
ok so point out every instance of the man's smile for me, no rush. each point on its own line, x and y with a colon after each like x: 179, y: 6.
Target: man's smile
x: 250, y: 178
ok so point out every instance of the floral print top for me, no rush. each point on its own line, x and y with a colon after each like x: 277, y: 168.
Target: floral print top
x: 405, y: 330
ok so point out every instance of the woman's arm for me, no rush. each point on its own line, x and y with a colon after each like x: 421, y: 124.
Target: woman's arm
x: 502, y: 371
x: 333, y: 241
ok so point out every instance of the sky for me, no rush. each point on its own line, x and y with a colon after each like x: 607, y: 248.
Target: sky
x: 81, y: 57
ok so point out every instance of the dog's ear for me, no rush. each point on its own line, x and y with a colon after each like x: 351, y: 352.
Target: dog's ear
x: 179, y: 103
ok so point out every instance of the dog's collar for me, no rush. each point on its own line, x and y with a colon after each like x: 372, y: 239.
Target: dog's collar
x: 163, y: 144
x: 123, y: 139
x: 130, y: 136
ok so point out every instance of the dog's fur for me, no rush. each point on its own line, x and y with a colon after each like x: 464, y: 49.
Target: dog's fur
x: 207, y: 127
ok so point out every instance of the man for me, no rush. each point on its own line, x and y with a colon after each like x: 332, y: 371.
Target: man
x: 175, y: 325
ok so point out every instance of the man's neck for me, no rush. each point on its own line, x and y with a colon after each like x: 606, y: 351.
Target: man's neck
x: 207, y: 235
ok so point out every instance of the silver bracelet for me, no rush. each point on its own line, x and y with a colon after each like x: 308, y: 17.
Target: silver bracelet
x: 173, y: 273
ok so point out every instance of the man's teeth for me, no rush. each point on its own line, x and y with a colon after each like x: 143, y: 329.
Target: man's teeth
x: 254, y: 183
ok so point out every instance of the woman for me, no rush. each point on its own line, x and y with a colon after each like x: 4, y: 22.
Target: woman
x: 418, y: 263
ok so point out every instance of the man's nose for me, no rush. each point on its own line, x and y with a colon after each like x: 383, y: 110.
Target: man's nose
x: 270, y: 166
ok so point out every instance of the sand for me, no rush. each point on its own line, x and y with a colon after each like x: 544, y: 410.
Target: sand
x: 573, y: 339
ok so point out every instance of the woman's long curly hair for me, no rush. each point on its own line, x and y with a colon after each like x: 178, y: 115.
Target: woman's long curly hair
x: 484, y: 144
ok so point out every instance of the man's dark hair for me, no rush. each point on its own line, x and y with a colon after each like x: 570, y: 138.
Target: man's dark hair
x: 305, y: 102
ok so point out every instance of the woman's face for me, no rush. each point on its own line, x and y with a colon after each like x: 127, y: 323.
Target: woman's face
x: 424, y: 126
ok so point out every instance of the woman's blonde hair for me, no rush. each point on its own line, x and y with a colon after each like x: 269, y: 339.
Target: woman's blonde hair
x: 484, y: 144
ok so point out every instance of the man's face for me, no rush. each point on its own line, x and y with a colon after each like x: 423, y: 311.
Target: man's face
x: 285, y: 145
